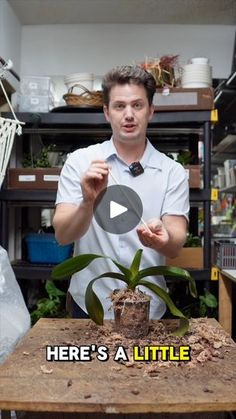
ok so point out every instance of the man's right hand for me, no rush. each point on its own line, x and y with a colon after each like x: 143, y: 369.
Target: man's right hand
x: 94, y: 180
x: 71, y: 221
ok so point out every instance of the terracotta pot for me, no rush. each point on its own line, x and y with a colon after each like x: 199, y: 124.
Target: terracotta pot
x: 132, y: 318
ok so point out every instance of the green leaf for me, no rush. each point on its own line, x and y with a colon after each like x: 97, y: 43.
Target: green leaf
x: 164, y: 270
x: 127, y: 272
x: 193, y: 241
x: 77, y: 263
x: 73, y: 265
x: 192, y: 287
x: 164, y: 296
x: 209, y: 299
x: 92, y: 302
x: 171, y: 271
x: 183, y: 328
x: 52, y: 290
x: 136, y: 262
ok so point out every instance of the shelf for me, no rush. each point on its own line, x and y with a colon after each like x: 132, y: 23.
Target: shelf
x: 26, y: 270
x: 92, y: 120
x: 229, y: 189
x: 224, y: 150
x: 197, y: 274
x: 28, y: 196
x: 225, y: 99
x: 33, y: 271
x: 72, y: 130
x: 23, y: 198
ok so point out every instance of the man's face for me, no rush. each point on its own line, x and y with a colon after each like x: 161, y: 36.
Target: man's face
x: 128, y: 113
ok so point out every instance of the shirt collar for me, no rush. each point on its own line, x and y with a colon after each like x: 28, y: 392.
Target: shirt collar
x: 151, y: 157
x: 109, y: 149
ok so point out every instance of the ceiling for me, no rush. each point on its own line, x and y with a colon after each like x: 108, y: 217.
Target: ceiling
x: 43, y: 12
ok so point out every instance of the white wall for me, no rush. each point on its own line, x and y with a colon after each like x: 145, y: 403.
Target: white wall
x: 10, y: 38
x: 64, y: 49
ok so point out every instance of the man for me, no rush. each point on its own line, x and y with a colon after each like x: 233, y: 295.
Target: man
x: 163, y: 189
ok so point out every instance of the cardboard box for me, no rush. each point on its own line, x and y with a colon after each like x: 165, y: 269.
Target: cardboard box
x: 189, y: 257
x: 193, y: 173
x: 29, y: 178
x: 180, y: 99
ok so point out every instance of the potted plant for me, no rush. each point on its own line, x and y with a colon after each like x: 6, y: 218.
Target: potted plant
x: 190, y: 256
x: 50, y: 305
x: 38, y: 171
x: 162, y: 69
x: 132, y: 277
x: 193, y: 171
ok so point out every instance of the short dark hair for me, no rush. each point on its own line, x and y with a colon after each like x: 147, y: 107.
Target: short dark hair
x: 128, y: 75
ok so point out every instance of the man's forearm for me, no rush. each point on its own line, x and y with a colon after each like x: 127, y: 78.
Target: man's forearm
x: 71, y: 225
x: 175, y: 243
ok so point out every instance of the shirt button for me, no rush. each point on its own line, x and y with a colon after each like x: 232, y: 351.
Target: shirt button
x: 122, y: 244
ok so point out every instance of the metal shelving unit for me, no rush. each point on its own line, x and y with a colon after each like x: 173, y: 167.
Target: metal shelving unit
x: 165, y: 127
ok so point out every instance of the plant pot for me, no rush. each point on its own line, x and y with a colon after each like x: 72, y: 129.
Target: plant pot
x: 193, y: 172
x: 189, y: 258
x: 34, y: 178
x: 131, y: 313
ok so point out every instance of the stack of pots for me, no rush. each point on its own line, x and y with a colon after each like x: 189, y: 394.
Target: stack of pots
x: 197, y: 74
x: 74, y: 81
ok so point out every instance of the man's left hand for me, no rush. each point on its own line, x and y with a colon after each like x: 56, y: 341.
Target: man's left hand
x: 155, y: 236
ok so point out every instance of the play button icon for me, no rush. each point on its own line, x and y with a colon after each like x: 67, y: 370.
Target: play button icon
x: 118, y: 209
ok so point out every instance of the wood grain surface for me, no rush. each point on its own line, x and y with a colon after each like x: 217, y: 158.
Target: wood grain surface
x: 29, y: 383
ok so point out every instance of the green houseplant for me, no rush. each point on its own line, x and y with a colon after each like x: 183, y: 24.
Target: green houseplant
x: 132, y: 277
x: 39, y: 170
x: 50, y: 305
x: 41, y: 159
x: 185, y: 158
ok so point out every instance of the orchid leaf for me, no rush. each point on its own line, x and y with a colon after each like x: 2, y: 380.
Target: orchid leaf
x: 127, y: 272
x: 164, y: 270
x: 171, y: 271
x: 92, y: 302
x: 192, y: 287
x: 183, y: 327
x: 136, y: 262
x: 164, y: 296
x: 73, y: 265
x: 184, y: 322
x: 132, y: 276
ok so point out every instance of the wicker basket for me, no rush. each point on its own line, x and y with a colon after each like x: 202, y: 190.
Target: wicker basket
x: 87, y: 98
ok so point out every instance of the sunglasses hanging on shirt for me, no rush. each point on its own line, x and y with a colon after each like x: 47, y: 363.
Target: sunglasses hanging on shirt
x: 136, y: 168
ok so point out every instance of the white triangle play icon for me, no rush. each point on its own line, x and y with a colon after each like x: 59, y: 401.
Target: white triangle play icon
x: 116, y: 209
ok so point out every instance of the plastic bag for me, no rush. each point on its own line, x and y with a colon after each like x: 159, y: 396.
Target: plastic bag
x: 14, y: 315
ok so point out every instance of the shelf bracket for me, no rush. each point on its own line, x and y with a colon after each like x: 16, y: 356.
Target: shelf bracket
x: 214, y: 273
x: 214, y: 194
x: 214, y: 115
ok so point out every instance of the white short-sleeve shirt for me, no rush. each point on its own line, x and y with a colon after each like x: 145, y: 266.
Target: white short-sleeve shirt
x: 163, y: 189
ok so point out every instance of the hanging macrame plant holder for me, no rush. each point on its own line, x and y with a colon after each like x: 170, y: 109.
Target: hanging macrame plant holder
x: 8, y: 129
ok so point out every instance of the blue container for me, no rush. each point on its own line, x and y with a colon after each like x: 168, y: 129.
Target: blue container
x: 43, y: 248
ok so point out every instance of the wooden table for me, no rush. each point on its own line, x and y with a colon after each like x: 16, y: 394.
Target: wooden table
x: 107, y: 389
x: 226, y: 278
